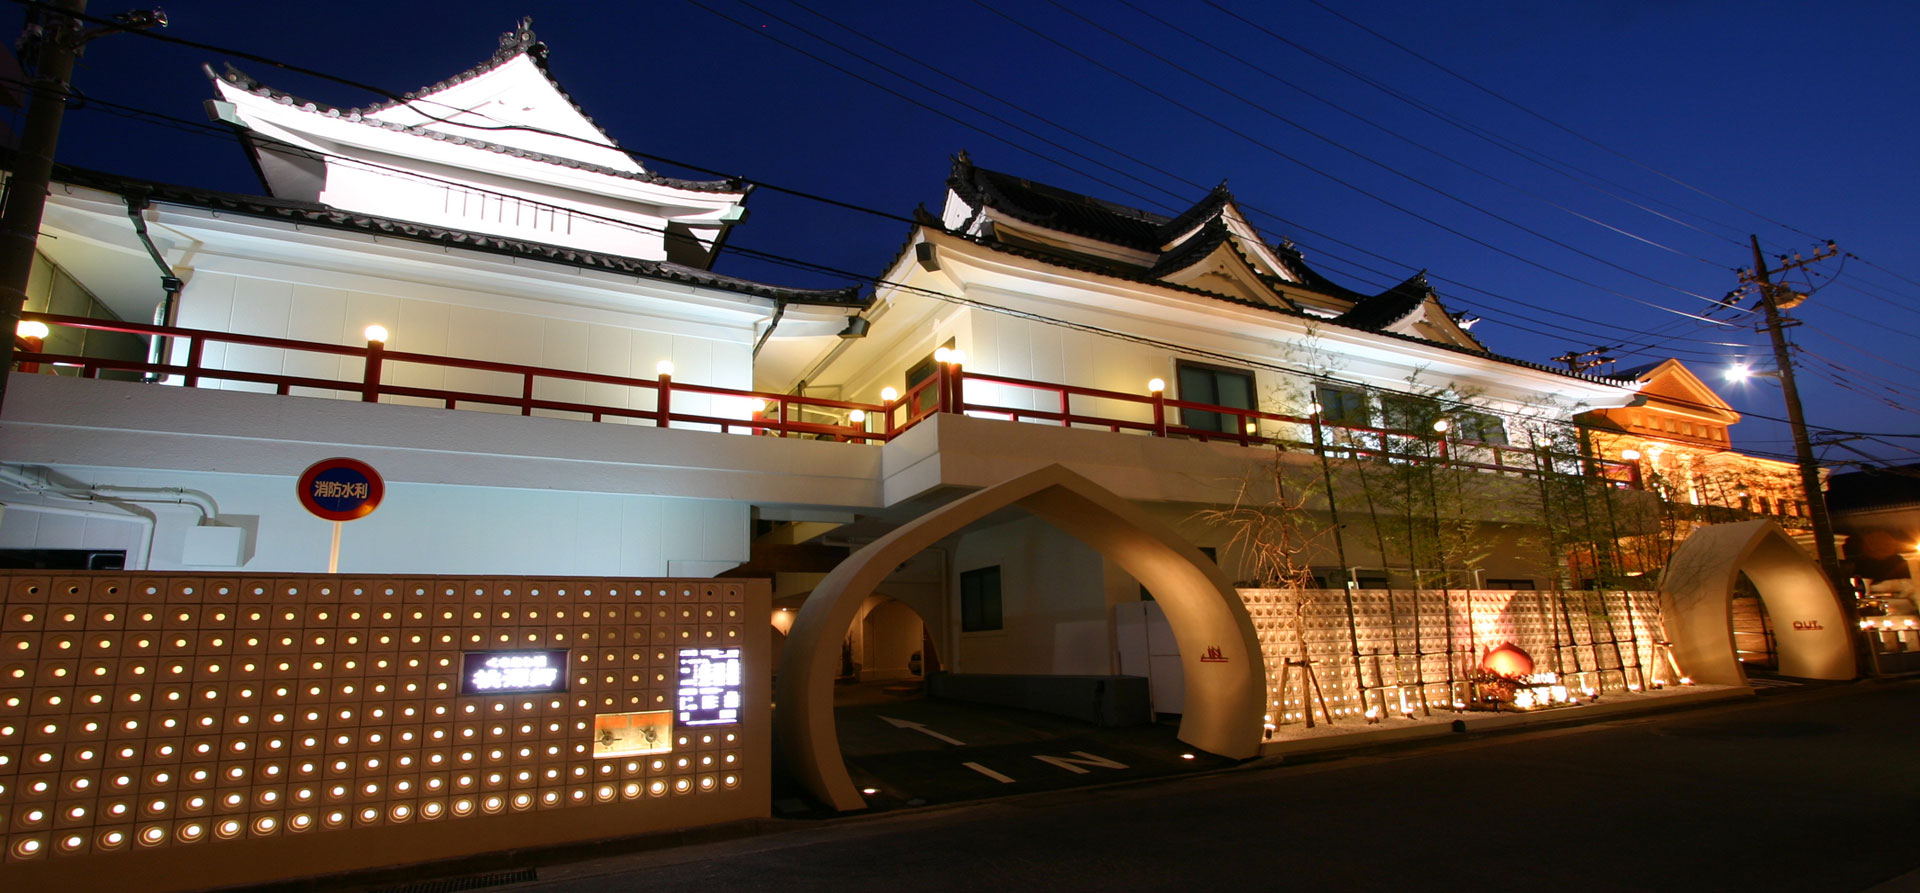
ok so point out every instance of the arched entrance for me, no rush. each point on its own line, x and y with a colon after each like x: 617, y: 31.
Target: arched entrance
x: 1225, y: 675
x: 1696, y: 592
x: 889, y: 640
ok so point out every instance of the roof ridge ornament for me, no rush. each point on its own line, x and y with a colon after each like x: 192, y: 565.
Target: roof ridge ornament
x: 521, y: 40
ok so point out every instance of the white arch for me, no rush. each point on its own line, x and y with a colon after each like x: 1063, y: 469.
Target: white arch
x: 1225, y: 674
x: 1697, y: 594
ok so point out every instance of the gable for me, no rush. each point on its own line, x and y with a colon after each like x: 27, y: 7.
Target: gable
x: 1223, y: 271
x: 512, y: 104
x: 1673, y: 383
x: 1430, y: 321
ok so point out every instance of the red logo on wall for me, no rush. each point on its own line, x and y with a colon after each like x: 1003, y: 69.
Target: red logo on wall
x: 1807, y: 624
x: 1213, y: 656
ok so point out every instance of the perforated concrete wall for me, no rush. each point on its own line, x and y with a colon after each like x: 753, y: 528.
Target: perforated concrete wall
x: 181, y: 732
x: 1414, y: 647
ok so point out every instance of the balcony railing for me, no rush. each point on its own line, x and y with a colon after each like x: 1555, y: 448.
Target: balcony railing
x: 786, y: 415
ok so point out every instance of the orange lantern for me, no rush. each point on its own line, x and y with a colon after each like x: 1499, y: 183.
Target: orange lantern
x: 1507, y: 660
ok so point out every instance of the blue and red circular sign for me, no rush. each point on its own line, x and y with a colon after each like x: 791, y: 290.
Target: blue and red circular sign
x: 341, y: 489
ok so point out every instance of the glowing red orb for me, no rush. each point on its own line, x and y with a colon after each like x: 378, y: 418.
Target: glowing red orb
x: 1507, y: 659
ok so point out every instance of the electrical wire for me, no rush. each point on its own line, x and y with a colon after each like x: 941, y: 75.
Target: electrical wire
x: 1257, y: 143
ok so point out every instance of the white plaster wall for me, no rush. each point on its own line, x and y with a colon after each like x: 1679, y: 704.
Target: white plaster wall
x: 420, y: 528
x: 469, y: 202
x: 1052, y: 603
x: 447, y: 322
x: 30, y: 527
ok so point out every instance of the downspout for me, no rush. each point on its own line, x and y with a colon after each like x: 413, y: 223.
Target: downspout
x: 779, y: 310
x: 159, y: 347
x: 111, y: 494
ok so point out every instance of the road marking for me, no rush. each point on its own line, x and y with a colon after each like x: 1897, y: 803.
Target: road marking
x: 988, y: 773
x: 1084, y: 759
x: 903, y: 724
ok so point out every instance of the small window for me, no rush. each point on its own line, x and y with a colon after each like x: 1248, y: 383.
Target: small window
x: 1480, y: 427
x: 1517, y: 583
x: 1231, y: 388
x: 980, y: 600
x: 1340, y: 406
x: 920, y: 372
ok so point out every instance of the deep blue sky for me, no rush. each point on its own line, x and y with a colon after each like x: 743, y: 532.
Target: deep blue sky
x: 1665, y: 133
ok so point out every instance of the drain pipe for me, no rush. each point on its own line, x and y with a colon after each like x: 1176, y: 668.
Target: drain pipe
x: 171, y: 284
x: 779, y: 310
x: 110, y: 494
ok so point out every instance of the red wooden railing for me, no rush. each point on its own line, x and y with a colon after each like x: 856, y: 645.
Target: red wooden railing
x: 782, y: 415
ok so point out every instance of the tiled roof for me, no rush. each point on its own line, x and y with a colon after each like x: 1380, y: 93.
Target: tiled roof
x: 315, y: 214
x: 512, y: 44
x: 1077, y: 264
x: 1205, y: 208
x: 1056, y: 208
x: 1874, y: 488
x: 1195, y: 249
x: 1388, y: 307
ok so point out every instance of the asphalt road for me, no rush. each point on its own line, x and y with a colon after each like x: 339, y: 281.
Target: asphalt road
x: 1810, y: 789
x: 916, y: 751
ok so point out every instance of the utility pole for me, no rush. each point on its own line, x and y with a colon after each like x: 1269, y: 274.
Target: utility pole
x: 60, y: 40
x: 33, y: 166
x: 1777, y: 323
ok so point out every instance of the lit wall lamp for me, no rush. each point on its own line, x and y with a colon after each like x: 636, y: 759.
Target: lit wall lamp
x: 1442, y: 426
x: 1630, y: 455
x: 377, y: 333
x: 32, y: 337
x: 1156, y: 386
x: 888, y: 394
x: 664, y: 367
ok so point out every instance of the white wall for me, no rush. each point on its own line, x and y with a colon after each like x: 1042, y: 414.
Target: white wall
x: 421, y: 528
x: 1053, y: 609
x: 455, y: 323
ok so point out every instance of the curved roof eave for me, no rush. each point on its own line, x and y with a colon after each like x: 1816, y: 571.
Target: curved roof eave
x: 315, y: 214
x: 240, y: 80
x: 1091, y: 269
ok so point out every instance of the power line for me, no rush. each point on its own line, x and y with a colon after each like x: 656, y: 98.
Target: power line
x: 1555, y: 124
x: 1333, y: 177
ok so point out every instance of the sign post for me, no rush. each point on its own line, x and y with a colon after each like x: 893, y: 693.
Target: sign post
x: 340, y: 490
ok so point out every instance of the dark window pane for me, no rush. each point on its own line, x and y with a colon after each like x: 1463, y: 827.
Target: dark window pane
x: 980, y: 599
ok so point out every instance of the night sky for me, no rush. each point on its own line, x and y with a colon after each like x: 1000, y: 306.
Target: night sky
x: 1593, y: 186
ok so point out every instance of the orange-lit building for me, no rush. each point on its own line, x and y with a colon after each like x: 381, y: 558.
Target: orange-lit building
x: 1678, y: 435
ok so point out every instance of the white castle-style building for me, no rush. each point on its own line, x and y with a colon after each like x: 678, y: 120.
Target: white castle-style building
x: 981, y: 465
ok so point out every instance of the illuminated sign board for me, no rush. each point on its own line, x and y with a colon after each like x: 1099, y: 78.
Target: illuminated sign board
x: 709, y: 686
x: 512, y: 672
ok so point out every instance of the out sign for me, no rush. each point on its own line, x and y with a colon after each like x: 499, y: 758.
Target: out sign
x: 341, y: 489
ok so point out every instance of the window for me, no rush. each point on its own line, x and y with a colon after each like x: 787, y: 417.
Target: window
x: 980, y: 600
x: 1220, y: 387
x: 1339, y: 406
x: 1480, y: 427
x: 920, y: 372
x: 1517, y: 583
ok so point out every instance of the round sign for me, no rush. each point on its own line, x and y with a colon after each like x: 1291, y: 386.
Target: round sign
x: 341, y: 489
